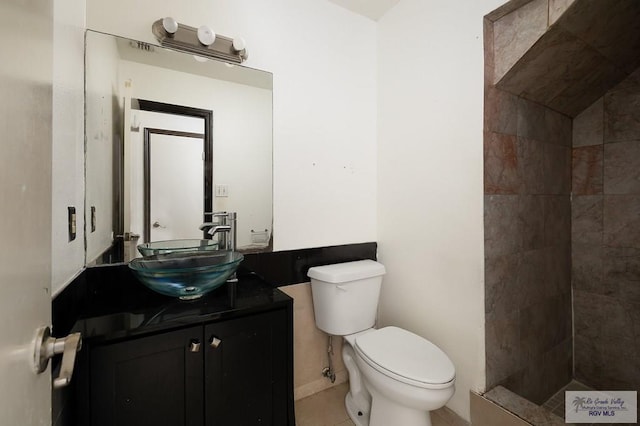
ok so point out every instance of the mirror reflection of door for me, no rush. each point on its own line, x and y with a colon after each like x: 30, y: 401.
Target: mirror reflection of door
x: 170, y: 175
x: 174, y: 184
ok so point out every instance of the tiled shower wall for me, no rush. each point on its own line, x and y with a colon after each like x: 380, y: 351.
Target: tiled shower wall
x: 606, y: 239
x: 527, y: 247
x: 527, y: 158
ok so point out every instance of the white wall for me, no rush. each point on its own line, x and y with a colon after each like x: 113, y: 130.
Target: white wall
x: 67, y: 186
x: 323, y: 59
x: 430, y: 178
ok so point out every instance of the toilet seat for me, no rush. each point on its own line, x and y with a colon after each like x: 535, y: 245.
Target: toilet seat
x: 406, y: 357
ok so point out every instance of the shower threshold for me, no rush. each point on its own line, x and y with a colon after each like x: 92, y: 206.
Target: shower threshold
x: 556, y: 404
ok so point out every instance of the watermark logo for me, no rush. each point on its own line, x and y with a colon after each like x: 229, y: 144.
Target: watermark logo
x: 601, y: 406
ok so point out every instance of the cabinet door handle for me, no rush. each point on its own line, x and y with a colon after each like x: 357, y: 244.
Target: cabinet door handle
x: 194, y: 345
x: 215, y: 342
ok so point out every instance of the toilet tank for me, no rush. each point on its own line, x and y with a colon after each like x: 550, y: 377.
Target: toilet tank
x: 345, y: 296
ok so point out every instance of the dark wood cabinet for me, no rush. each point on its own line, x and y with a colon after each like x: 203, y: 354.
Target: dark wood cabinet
x: 245, y: 374
x: 228, y: 373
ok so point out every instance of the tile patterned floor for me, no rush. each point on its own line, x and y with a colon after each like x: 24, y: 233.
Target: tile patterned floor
x: 556, y: 405
x: 326, y: 408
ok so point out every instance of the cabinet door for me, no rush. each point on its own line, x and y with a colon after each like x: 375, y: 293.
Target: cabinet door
x: 148, y: 381
x: 245, y: 371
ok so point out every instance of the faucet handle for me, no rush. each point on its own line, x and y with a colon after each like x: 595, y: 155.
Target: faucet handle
x: 215, y: 214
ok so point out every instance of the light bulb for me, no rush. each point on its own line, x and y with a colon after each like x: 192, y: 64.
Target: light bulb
x: 239, y: 44
x: 170, y: 25
x: 206, y: 35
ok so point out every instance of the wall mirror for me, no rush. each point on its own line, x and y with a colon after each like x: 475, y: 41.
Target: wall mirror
x: 207, y: 129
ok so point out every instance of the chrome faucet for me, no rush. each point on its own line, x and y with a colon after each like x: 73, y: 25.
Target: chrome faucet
x: 226, y: 226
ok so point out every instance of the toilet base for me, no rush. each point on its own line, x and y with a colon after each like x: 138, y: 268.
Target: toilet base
x: 357, y: 416
x: 385, y: 412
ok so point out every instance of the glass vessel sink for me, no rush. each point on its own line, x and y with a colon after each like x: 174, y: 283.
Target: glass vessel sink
x: 174, y: 246
x: 187, y: 275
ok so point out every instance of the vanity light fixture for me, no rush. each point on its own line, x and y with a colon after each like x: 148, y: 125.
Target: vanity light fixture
x: 201, y: 41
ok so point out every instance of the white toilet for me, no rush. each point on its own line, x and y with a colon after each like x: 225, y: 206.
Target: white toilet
x: 395, y: 377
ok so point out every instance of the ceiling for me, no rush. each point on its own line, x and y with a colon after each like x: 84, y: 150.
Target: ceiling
x: 372, y: 9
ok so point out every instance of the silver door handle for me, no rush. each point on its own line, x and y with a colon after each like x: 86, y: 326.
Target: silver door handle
x: 129, y: 236
x: 47, y: 347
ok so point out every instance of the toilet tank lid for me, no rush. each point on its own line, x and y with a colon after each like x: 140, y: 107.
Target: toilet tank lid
x: 348, y: 271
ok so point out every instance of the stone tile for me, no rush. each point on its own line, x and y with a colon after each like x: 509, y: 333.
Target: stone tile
x: 529, y: 382
x: 501, y: 164
x: 503, y: 348
x: 528, y: 413
x: 622, y: 220
x: 621, y: 274
x: 557, y: 8
x: 501, y: 111
x: 534, y: 330
x: 587, y: 268
x: 591, y: 75
x: 611, y: 360
x: 588, y: 126
x: 489, y: 58
x: 610, y: 28
x: 505, y: 9
x: 587, y: 170
x: 561, y: 72
x: 601, y: 318
x: 502, y: 226
x: 544, y: 326
x: 486, y: 412
x: 632, y: 308
x: 557, y: 268
x: 559, y: 128
x: 531, y: 278
x: 531, y: 120
x: 558, y: 365
x: 607, y: 366
x: 516, y: 32
x: 556, y: 169
x: 531, y: 162
x: 587, y: 361
x: 587, y: 219
x: 502, y: 294
x: 531, y: 210
x: 622, y: 111
x: 557, y: 220
x: 622, y: 167
x: 565, y: 318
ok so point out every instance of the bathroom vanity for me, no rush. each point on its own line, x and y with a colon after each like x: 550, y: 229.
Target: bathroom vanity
x: 147, y: 359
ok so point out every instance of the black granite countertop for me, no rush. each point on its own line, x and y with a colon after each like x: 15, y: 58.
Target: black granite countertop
x: 109, y: 303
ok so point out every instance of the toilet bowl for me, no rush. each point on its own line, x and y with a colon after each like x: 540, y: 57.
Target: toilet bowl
x: 407, y: 376
x: 395, y: 377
